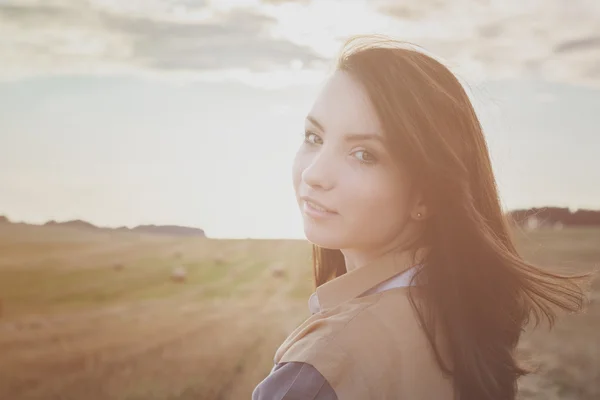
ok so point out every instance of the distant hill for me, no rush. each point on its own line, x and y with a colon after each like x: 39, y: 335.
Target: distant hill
x: 167, y: 230
x: 73, y: 224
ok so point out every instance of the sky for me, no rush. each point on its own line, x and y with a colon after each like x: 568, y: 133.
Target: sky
x: 190, y: 112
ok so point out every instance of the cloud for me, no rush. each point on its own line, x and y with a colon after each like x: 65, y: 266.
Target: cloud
x: 266, y: 40
x: 286, y: 1
x: 550, y: 39
x: 236, y: 40
x: 180, y: 36
x: 585, y: 43
x: 417, y: 10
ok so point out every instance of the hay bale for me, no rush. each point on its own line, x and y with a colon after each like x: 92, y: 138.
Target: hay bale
x: 118, y: 266
x: 179, y: 274
x: 278, y: 272
x: 219, y: 260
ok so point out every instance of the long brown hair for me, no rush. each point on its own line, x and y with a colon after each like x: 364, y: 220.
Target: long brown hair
x: 479, y: 293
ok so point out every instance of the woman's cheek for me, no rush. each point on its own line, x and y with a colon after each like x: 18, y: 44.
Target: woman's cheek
x: 298, y: 166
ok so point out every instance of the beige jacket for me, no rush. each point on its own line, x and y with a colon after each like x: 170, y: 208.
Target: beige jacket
x: 368, y: 345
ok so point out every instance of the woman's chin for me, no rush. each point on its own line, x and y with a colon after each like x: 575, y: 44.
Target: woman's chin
x: 321, y: 237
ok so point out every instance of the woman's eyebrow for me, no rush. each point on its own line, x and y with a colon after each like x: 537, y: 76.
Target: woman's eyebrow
x: 314, y: 121
x: 349, y: 137
x: 354, y: 137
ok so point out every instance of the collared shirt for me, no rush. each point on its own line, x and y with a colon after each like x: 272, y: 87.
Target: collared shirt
x: 401, y: 279
x: 362, y: 341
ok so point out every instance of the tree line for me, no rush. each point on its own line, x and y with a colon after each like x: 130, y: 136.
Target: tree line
x: 556, y: 215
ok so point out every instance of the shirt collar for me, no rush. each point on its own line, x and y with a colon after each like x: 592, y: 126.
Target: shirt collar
x: 354, y: 283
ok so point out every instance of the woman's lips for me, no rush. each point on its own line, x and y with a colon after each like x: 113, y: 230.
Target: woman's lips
x: 316, y: 210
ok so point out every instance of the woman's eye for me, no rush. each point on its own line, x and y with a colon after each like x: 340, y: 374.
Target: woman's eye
x: 365, y: 157
x: 312, y: 138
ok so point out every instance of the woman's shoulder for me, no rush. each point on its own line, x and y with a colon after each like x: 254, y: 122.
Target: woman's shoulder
x: 381, y: 317
x: 315, y: 344
x: 384, y: 329
x: 316, y: 334
x: 373, y: 339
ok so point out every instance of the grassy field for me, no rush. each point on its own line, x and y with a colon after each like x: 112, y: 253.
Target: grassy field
x: 96, y: 315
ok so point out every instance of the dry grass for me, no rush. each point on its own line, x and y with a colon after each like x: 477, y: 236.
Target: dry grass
x: 75, y: 327
x: 568, y: 357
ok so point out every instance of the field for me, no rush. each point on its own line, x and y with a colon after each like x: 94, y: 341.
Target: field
x: 96, y: 315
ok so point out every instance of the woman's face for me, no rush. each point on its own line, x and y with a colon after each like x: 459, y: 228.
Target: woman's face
x: 345, y: 166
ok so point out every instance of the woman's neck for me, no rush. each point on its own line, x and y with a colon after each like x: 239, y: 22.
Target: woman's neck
x: 360, y: 258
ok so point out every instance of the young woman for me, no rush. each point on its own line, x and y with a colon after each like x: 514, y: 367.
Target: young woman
x: 420, y: 292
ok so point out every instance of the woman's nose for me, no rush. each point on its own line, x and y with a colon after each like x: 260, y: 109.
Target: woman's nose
x: 320, y: 172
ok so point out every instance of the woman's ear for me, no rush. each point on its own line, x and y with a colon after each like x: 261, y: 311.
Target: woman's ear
x: 420, y: 209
